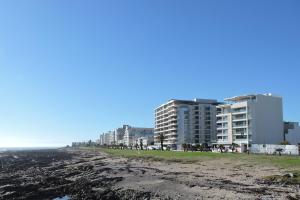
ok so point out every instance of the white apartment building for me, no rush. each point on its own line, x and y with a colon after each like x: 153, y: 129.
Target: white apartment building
x: 119, y: 135
x: 133, y: 134
x: 186, y: 121
x: 250, y: 119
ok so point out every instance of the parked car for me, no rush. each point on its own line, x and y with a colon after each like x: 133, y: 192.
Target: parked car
x: 153, y: 147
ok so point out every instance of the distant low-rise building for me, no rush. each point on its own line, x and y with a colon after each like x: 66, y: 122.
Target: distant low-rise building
x: 107, y: 138
x: 132, y: 134
x: 127, y: 135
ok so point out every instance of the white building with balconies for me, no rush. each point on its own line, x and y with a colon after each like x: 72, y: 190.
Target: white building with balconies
x: 250, y: 119
x: 186, y: 121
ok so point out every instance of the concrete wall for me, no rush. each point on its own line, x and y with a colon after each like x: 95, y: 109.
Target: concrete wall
x: 271, y: 148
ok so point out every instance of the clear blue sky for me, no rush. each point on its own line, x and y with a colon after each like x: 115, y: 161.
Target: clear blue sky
x: 70, y: 70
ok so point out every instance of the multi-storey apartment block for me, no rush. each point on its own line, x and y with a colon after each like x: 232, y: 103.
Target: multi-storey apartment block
x: 250, y: 119
x: 186, y: 121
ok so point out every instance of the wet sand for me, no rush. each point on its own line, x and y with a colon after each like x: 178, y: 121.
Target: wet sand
x: 96, y: 175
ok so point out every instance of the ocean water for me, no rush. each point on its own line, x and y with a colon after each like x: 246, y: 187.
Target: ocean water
x: 3, y: 149
x: 62, y: 198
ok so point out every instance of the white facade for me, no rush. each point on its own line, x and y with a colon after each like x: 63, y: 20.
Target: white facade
x: 186, y: 121
x: 250, y: 119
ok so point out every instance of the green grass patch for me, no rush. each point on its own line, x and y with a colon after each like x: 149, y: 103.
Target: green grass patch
x: 284, y: 162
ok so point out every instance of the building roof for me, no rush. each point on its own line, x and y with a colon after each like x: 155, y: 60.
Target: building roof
x: 241, y: 98
x: 191, y: 102
x: 247, y: 97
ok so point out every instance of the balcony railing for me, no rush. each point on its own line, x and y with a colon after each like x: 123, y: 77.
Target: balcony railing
x: 224, y: 127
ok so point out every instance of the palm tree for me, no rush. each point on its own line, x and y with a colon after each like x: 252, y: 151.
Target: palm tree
x: 198, y: 146
x: 161, y: 137
x: 141, y: 144
x: 184, y: 146
x: 221, y: 146
x: 234, y: 146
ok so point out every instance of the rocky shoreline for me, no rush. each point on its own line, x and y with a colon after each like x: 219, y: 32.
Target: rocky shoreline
x: 78, y: 174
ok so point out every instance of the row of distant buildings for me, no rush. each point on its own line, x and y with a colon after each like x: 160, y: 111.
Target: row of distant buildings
x: 128, y: 136
x: 243, y: 120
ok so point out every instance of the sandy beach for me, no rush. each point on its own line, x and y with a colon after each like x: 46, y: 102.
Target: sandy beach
x: 77, y: 174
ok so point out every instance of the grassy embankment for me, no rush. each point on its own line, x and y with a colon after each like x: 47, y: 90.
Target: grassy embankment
x: 284, y: 162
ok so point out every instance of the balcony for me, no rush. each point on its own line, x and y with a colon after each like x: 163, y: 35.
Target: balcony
x: 239, y: 125
x: 173, y: 128
x: 222, y: 120
x: 240, y: 137
x: 239, y: 110
x: 239, y: 117
x: 222, y: 127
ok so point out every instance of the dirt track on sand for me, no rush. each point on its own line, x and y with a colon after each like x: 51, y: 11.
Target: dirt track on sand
x: 89, y: 175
